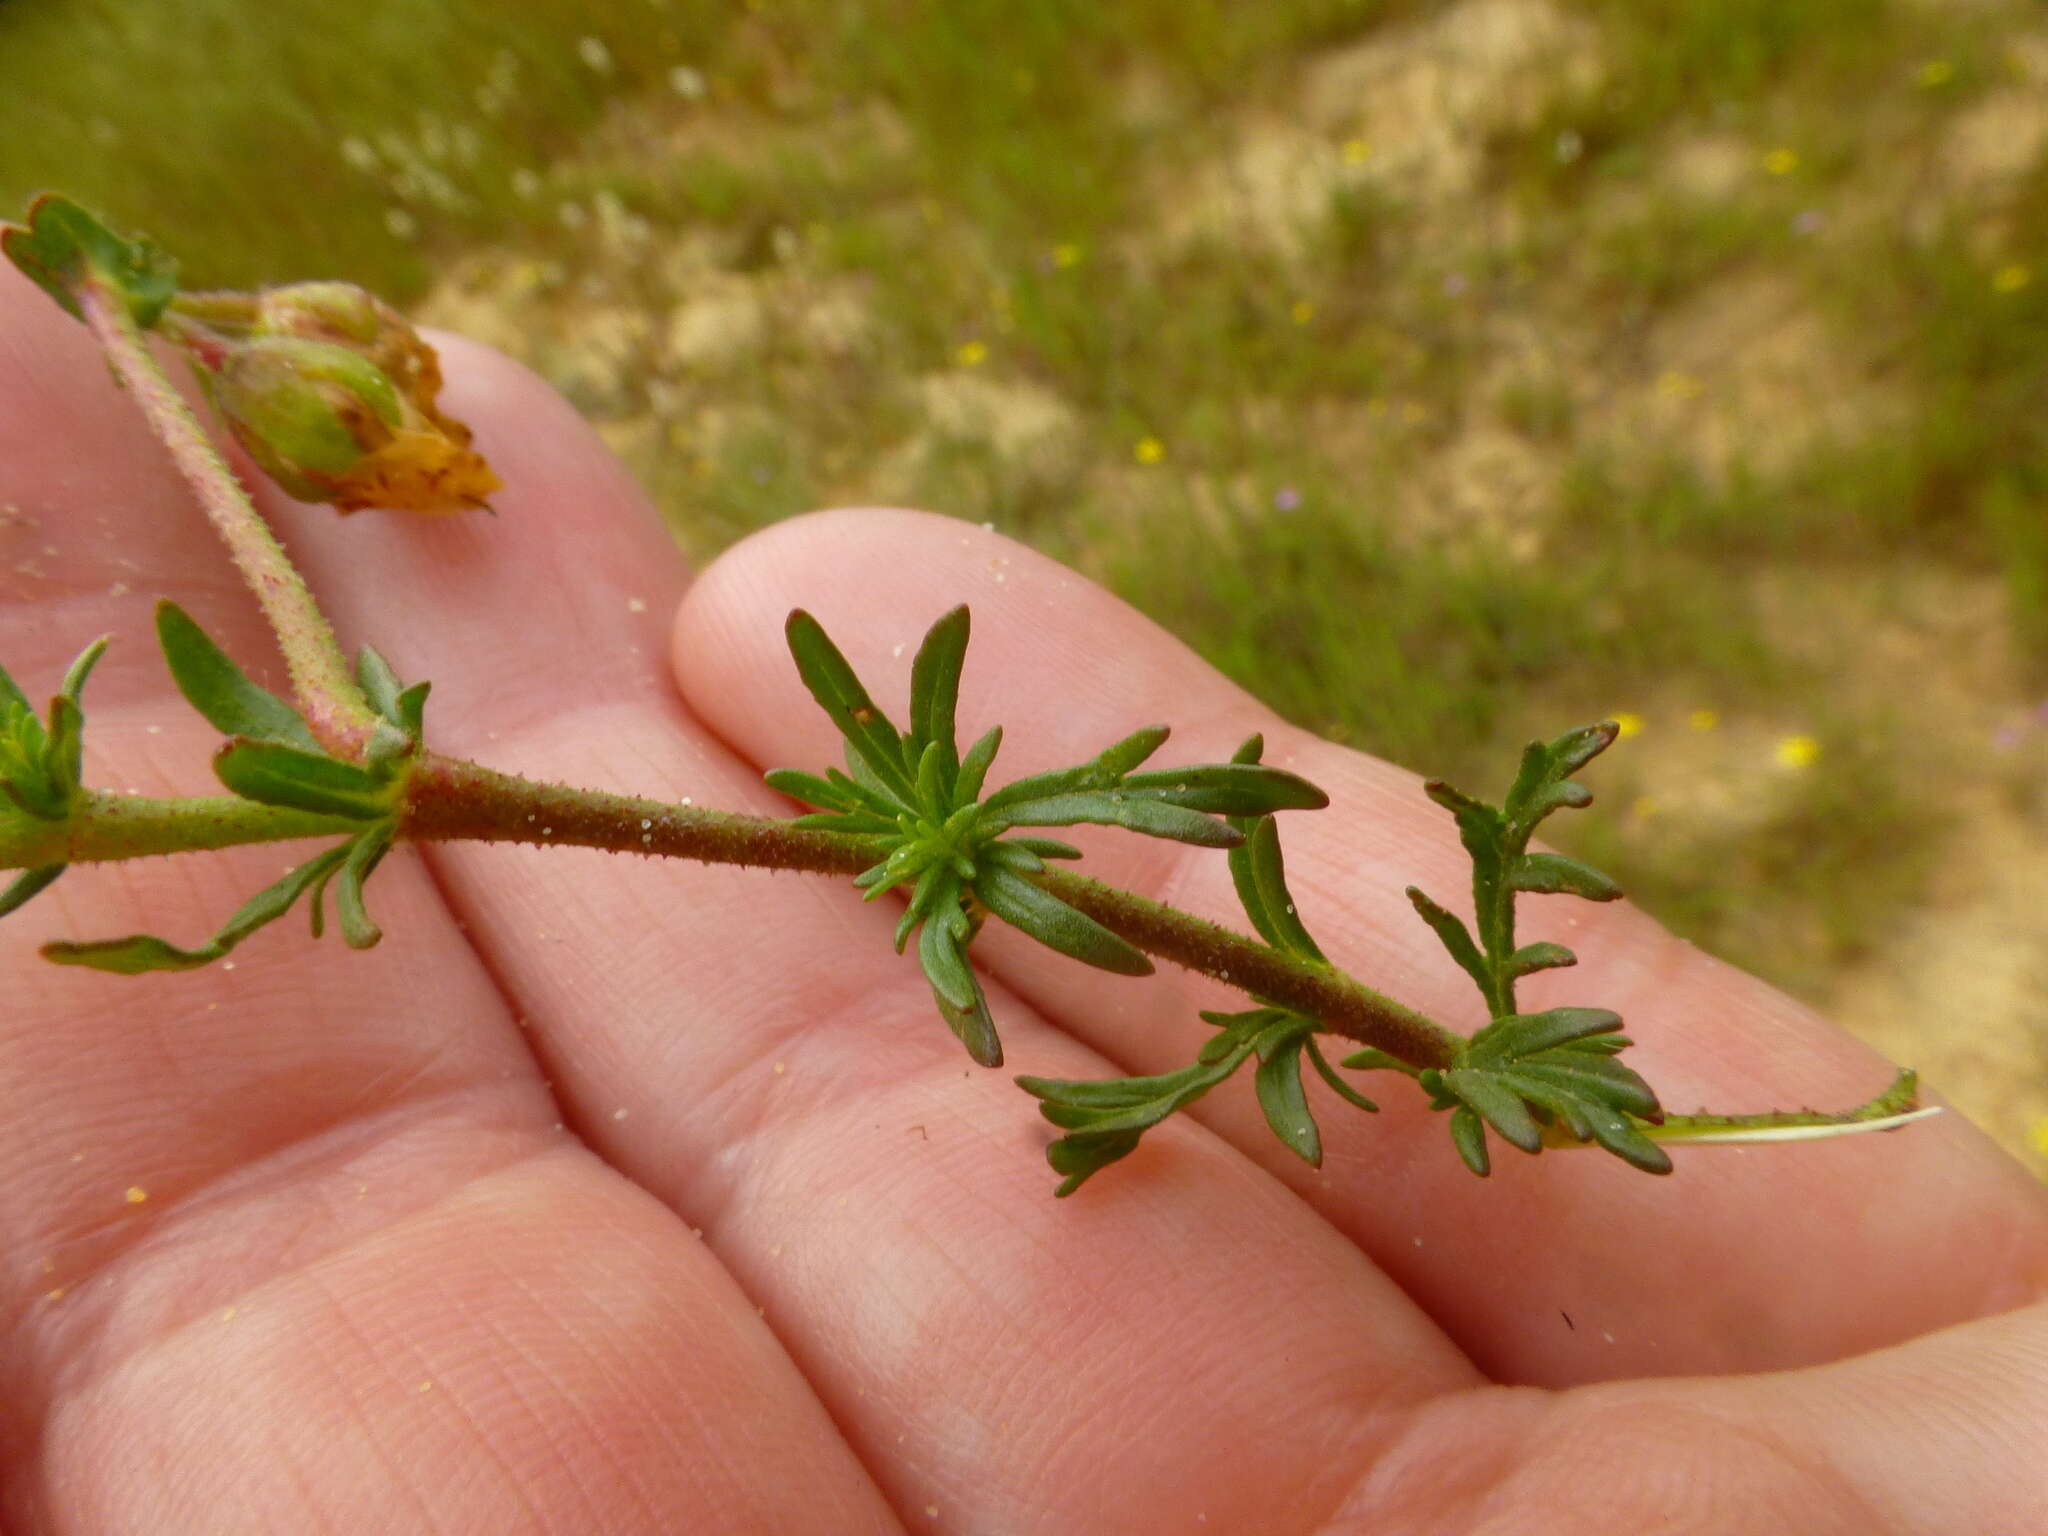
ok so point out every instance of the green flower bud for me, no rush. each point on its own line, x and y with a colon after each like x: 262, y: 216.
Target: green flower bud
x: 309, y: 412
x: 333, y: 394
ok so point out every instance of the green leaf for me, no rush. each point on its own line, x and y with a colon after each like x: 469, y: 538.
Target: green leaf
x: 810, y: 789
x: 975, y: 1029
x: 10, y: 693
x: 875, y: 743
x: 975, y: 765
x: 364, y: 854
x: 935, y: 689
x: 1530, y: 1034
x: 1468, y: 1135
x: 1553, y: 874
x: 1105, y: 1120
x: 1502, y: 1108
x: 277, y: 775
x: 938, y: 951
x: 1119, y: 758
x: 27, y: 885
x: 63, y: 244
x: 1574, y: 749
x: 1079, y: 1157
x: 1103, y: 771
x: 142, y: 952
x: 1260, y: 875
x: 1116, y: 808
x: 1456, y: 937
x: 404, y: 708
x: 1055, y: 924
x: 1044, y: 847
x: 1230, y: 789
x: 1278, y: 1080
x: 1531, y: 958
x: 220, y: 690
x: 1337, y: 1084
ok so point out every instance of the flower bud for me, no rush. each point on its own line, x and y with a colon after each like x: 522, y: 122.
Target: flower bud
x: 333, y: 394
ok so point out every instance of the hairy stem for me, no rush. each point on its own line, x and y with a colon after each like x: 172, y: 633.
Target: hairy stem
x: 104, y: 827
x: 321, y: 678
x: 453, y: 799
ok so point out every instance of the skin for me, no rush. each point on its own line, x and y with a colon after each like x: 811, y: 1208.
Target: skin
x: 612, y: 1196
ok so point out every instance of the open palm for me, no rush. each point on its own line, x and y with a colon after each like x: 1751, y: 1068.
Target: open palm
x: 610, y: 1195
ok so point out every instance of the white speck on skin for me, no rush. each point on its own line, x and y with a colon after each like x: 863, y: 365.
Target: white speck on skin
x: 636, y: 605
x: 1418, y: 1242
x: 780, y: 1068
x: 1606, y: 1335
x: 135, y: 1194
x: 619, y: 1113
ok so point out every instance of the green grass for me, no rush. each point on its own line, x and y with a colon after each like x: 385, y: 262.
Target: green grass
x: 995, y: 177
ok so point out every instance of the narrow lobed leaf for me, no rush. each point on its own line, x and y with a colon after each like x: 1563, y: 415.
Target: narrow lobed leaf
x: 212, y: 684
x: 278, y: 775
x: 1281, y: 1097
x: 833, y: 683
x: 973, y: 1027
x: 1549, y: 874
x: 1079, y: 1157
x: 1529, y: 1034
x: 1468, y: 1135
x: 364, y: 854
x: 1455, y: 936
x: 1055, y: 924
x: 139, y: 953
x: 27, y: 885
x: 1502, y: 1108
x: 1116, y: 808
x: 1230, y: 789
x: 1531, y: 958
x: 1260, y: 875
x: 975, y: 765
x: 935, y: 689
x: 938, y: 951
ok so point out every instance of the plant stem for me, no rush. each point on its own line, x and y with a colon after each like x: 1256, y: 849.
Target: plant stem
x: 454, y: 799
x: 321, y: 677
x: 104, y: 827
x: 1339, y: 1004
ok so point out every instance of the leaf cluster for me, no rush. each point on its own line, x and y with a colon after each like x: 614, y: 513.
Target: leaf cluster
x: 273, y: 758
x: 1104, y: 1120
x: 63, y: 245
x: 1528, y: 1075
x: 41, y: 763
x: 918, y: 800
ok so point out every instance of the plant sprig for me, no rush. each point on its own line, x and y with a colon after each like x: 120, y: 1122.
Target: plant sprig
x: 919, y: 800
x: 334, y: 396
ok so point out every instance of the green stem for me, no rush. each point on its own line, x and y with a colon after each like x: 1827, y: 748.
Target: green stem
x: 1339, y: 1004
x: 103, y: 827
x: 453, y: 799
x: 321, y: 676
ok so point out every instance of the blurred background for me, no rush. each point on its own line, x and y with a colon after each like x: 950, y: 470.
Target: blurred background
x: 1449, y: 373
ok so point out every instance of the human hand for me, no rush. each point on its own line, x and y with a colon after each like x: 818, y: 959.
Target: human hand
x: 410, y: 1241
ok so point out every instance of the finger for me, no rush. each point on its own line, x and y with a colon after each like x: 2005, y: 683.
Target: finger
x: 749, y: 1048
x: 1938, y: 1435
x: 1612, y: 1272
x: 301, y: 1233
